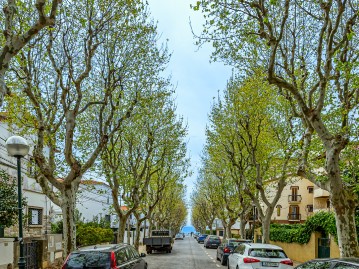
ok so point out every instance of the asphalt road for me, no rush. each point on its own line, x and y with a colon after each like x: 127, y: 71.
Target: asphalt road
x: 186, y: 254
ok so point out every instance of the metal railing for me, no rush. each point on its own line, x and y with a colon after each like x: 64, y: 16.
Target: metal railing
x: 294, y: 217
x: 294, y: 198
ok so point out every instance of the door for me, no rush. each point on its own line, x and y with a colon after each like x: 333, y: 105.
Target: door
x: 323, y: 248
x: 31, y: 255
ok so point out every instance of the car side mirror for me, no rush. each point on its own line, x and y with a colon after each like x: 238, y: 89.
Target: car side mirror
x: 142, y: 255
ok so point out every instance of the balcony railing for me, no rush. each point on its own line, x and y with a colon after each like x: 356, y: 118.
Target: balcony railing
x: 294, y: 198
x: 294, y: 217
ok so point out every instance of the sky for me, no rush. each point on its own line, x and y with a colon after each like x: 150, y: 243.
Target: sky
x: 198, y: 81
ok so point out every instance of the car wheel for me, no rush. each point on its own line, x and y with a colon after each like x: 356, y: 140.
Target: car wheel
x: 223, y: 262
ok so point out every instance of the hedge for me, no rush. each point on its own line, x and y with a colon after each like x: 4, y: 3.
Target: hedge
x: 323, y: 222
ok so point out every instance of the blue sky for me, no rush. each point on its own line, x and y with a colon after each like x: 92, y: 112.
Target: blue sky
x: 197, y: 80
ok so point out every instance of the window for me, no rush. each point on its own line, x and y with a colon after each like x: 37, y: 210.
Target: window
x: 240, y: 249
x: 310, y: 189
x: 267, y: 253
x: 315, y: 265
x: 35, y: 216
x: 278, y: 210
x: 31, y: 167
x: 328, y: 203
x: 294, y: 193
x: 342, y: 265
x: 121, y: 256
x: 294, y: 213
x: 310, y: 208
x: 134, y: 252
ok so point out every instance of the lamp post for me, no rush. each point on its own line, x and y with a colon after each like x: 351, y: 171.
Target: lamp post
x: 18, y: 147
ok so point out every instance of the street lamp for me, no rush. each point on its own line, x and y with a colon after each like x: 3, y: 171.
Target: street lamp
x: 18, y: 147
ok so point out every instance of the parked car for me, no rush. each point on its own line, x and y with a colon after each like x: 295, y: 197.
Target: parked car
x: 201, y: 238
x: 257, y: 256
x: 340, y: 263
x: 212, y: 241
x: 227, y: 246
x: 179, y: 236
x: 196, y: 235
x: 105, y: 257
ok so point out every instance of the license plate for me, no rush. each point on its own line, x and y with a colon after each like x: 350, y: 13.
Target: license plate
x: 270, y: 264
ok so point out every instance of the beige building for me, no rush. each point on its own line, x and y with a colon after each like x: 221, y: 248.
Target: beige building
x: 299, y: 200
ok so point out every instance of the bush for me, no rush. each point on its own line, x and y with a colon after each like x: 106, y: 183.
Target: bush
x: 90, y: 235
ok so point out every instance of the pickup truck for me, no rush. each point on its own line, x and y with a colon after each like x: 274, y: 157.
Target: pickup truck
x: 160, y: 240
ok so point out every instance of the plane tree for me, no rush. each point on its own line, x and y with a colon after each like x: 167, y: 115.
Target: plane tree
x: 309, y: 50
x: 146, y: 156
x: 220, y: 183
x: 256, y: 139
x: 171, y: 212
x: 22, y: 22
x: 77, y: 85
x: 204, y: 201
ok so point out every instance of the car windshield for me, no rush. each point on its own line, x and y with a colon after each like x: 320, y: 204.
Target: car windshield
x: 89, y: 259
x: 266, y: 253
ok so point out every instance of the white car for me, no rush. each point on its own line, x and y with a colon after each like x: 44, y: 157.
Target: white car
x: 258, y: 256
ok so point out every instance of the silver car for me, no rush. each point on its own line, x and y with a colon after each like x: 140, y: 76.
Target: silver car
x: 258, y: 256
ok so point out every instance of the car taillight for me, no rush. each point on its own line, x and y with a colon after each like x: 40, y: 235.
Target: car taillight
x: 250, y: 260
x: 226, y: 250
x: 65, y: 262
x: 113, y: 261
x: 287, y: 262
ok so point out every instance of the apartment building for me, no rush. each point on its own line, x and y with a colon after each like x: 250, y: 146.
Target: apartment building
x: 299, y: 200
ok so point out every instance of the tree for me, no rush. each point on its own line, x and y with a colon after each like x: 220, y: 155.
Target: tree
x: 205, y: 200
x: 309, y: 51
x: 252, y: 131
x: 80, y: 83
x: 21, y: 26
x: 146, y: 157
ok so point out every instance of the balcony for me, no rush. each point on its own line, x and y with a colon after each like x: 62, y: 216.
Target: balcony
x: 294, y: 217
x: 294, y: 199
x: 320, y: 193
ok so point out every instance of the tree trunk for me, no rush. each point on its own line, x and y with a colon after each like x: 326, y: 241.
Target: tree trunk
x: 68, y: 214
x: 229, y: 227
x: 243, y: 223
x: 266, y: 227
x: 344, y: 208
x: 343, y: 200
x: 225, y: 229
x: 128, y: 232
x: 121, y: 229
x: 138, y: 233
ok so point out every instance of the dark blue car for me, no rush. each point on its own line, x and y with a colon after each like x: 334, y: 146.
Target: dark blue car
x: 201, y: 238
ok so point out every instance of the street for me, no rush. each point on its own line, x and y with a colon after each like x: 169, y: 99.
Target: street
x: 186, y: 253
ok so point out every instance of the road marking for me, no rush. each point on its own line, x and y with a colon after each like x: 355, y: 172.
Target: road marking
x: 217, y: 265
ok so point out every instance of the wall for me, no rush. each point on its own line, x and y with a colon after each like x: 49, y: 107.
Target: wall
x: 305, y: 252
x: 6, y: 252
